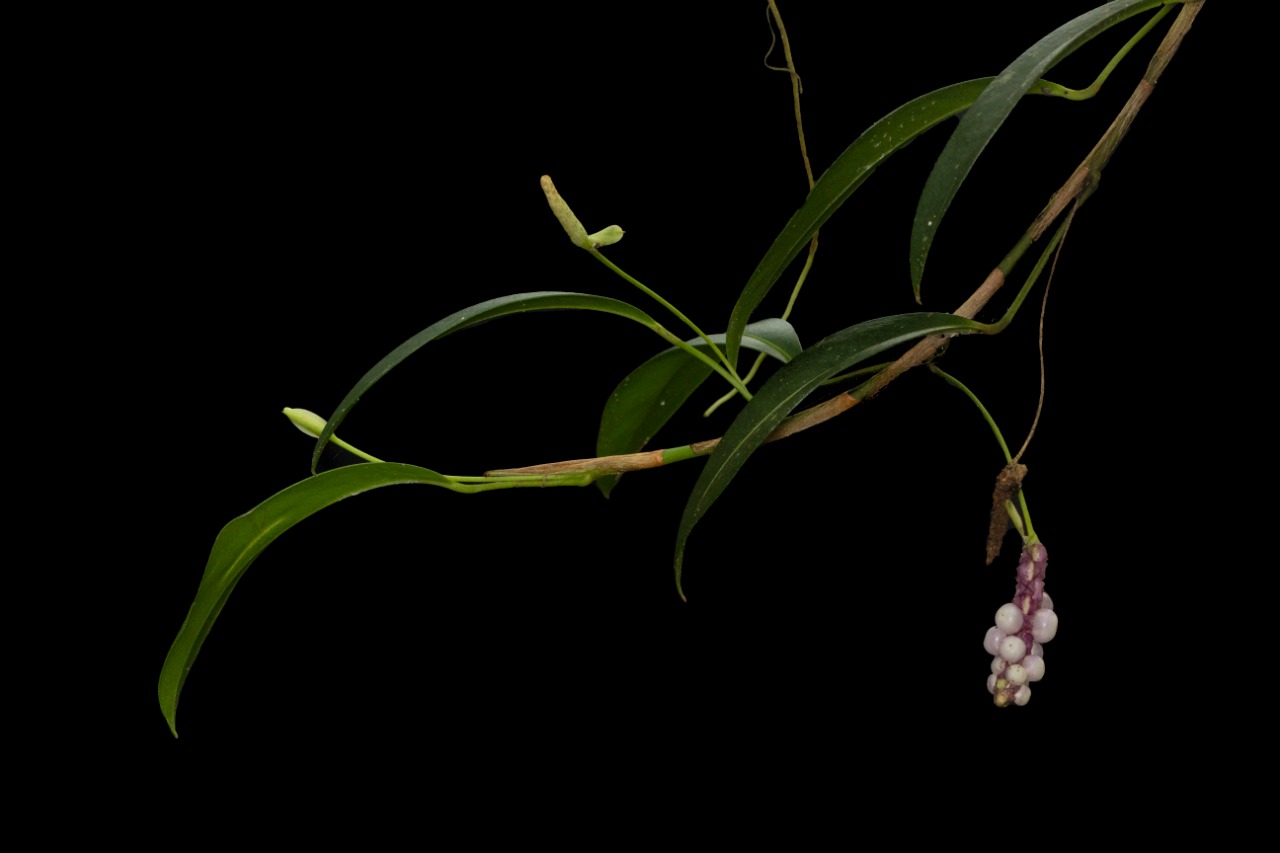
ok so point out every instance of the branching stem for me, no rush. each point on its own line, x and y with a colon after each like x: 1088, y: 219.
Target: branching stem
x: 1081, y: 183
x: 727, y: 371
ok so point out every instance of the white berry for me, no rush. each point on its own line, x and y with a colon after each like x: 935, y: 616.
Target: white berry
x: 1009, y: 618
x: 1013, y: 649
x: 1044, y: 625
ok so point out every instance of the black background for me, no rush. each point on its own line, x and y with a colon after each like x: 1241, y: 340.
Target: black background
x: 294, y: 196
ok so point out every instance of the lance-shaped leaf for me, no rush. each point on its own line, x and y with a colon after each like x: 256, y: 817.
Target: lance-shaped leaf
x: 785, y: 390
x: 983, y: 119
x: 514, y: 304
x: 646, y: 399
x: 244, y: 538
x: 838, y: 182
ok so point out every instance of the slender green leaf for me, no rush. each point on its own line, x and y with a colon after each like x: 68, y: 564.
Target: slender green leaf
x: 838, y: 182
x: 647, y: 398
x: 478, y: 313
x: 245, y: 537
x: 980, y: 123
x: 788, y: 387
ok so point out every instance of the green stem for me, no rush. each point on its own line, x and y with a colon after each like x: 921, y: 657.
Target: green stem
x: 973, y: 398
x: 1030, y: 535
x: 731, y: 378
x: 1004, y: 448
x: 673, y: 309
x: 1096, y: 86
x: 1011, y: 259
x: 680, y: 454
x: 1015, y: 254
x: 357, y: 451
x: 791, y: 303
x: 1006, y: 267
x: 804, y: 273
x: 729, y: 395
x: 312, y: 424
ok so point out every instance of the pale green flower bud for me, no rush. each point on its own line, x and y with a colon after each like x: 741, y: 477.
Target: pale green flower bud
x: 309, y: 422
x: 312, y: 424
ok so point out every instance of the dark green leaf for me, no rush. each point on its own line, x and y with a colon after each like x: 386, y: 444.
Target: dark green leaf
x: 837, y: 183
x: 788, y: 387
x: 989, y: 111
x: 513, y: 304
x: 647, y: 398
x: 245, y: 537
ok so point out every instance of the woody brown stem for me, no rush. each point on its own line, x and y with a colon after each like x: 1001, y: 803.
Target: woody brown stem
x: 1081, y: 182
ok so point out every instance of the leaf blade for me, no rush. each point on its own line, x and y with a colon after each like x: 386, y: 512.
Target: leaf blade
x: 490, y: 309
x: 650, y: 395
x: 787, y: 388
x: 245, y: 537
x: 989, y: 111
x: 854, y: 165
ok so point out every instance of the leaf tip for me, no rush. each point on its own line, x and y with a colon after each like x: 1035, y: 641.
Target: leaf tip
x: 607, y: 483
x: 170, y: 717
x: 917, y: 276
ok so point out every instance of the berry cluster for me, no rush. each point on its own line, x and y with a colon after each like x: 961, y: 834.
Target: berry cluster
x: 1021, y: 626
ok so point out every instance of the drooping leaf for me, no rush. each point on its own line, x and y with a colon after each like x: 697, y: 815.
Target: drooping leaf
x: 514, y: 304
x: 980, y: 123
x: 244, y: 538
x: 647, y: 398
x: 838, y: 182
x: 787, y: 388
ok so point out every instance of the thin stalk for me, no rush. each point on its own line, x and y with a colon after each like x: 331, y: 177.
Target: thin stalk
x: 1030, y: 532
x: 796, y: 89
x: 973, y: 398
x: 674, y: 310
x: 354, y: 450
x: 804, y: 273
x: 1003, y: 323
x: 755, y: 367
x: 313, y: 425
x: 729, y: 395
x: 718, y: 367
x: 1096, y: 86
